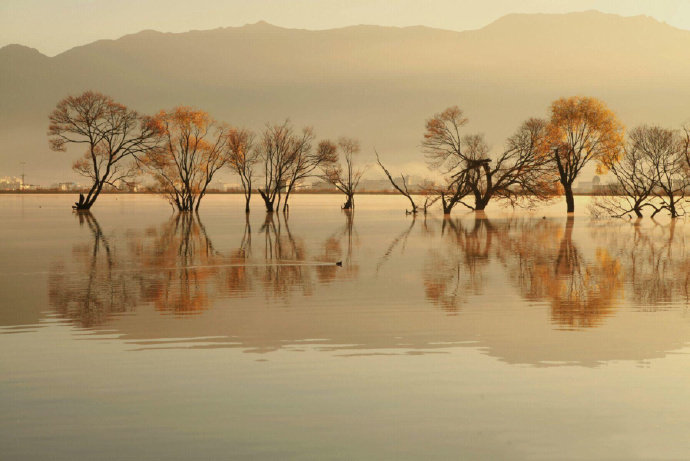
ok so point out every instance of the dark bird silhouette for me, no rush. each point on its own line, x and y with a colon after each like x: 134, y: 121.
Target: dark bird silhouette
x: 339, y: 264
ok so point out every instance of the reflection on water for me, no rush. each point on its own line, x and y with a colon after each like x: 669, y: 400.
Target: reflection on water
x: 484, y: 336
x: 539, y: 257
x: 176, y: 269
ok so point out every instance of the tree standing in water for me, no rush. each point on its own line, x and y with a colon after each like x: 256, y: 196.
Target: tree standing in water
x: 112, y: 134
x: 517, y: 174
x: 242, y: 157
x: 192, y: 151
x: 581, y: 130
x: 345, y: 177
x: 279, y: 149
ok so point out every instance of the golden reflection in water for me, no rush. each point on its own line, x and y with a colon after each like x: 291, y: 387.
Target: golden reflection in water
x: 176, y: 268
x: 540, y: 258
x: 547, y: 265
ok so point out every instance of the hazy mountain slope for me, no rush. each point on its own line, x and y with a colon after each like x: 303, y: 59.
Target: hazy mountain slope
x: 375, y: 83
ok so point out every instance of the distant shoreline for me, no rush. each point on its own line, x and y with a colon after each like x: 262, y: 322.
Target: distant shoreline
x: 296, y: 192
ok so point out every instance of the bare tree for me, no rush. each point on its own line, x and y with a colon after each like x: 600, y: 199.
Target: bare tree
x: 518, y: 174
x: 668, y: 150
x: 284, y: 154
x: 304, y: 161
x: 111, y: 132
x: 242, y: 158
x: 636, y: 176
x: 402, y: 187
x: 345, y: 177
x: 192, y: 152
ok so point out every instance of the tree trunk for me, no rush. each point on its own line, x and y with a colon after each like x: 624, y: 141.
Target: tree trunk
x: 267, y: 201
x: 246, y: 203
x: 569, y: 198
x: 481, y: 203
x: 349, y: 203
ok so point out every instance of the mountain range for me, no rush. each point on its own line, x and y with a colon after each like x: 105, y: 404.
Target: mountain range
x: 378, y: 84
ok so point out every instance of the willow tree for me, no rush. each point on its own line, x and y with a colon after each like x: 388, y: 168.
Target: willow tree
x: 343, y: 174
x: 581, y: 130
x: 112, y: 135
x: 242, y: 158
x: 191, y: 153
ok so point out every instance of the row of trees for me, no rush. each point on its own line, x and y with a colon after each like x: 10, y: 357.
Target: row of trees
x: 183, y: 149
x: 540, y: 160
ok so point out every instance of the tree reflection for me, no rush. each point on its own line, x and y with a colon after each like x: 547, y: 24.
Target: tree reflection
x: 176, y: 269
x: 333, y: 251
x: 98, y: 287
x: 655, y: 260
x: 540, y: 258
x: 179, y: 265
x: 546, y: 265
x: 456, y: 271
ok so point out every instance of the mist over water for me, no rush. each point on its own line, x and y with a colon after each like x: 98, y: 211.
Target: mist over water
x: 139, y: 334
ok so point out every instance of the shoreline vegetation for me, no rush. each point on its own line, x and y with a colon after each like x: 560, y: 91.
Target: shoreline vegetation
x: 182, y: 149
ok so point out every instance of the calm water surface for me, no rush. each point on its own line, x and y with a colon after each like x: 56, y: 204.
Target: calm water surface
x: 135, y: 334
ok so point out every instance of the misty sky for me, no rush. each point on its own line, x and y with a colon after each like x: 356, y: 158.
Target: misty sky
x: 53, y: 26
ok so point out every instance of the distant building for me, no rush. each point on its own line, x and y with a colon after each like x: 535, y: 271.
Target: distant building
x: 67, y: 186
x: 10, y: 183
x: 375, y: 185
x: 322, y: 186
x: 587, y: 187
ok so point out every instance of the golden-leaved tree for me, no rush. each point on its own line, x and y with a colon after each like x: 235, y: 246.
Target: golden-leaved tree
x: 581, y: 130
x: 192, y: 151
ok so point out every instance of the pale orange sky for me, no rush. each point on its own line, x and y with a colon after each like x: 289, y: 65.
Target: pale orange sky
x: 53, y: 26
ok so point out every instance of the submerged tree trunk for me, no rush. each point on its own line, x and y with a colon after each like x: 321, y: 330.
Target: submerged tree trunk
x: 569, y: 198
x: 480, y: 202
x: 350, y: 203
x: 267, y: 201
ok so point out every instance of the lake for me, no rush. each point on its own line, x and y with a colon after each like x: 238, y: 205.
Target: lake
x: 132, y: 333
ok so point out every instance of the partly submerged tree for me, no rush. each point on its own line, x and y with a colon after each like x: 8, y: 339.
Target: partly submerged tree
x: 242, y: 158
x: 428, y: 191
x: 112, y: 133
x: 637, y: 178
x: 343, y: 176
x: 518, y: 174
x: 581, y: 130
x: 303, y: 160
x: 191, y: 153
x: 286, y: 157
x: 668, y: 151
